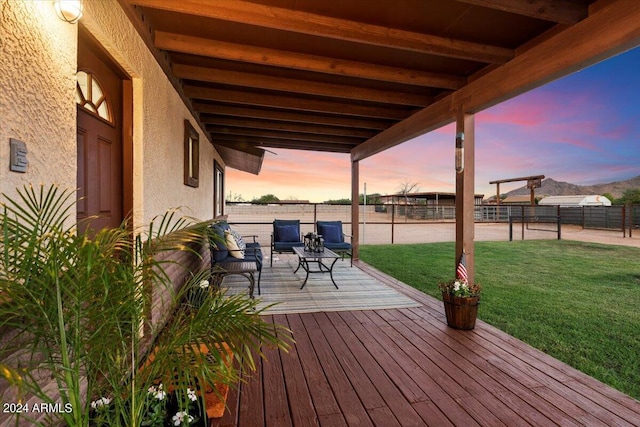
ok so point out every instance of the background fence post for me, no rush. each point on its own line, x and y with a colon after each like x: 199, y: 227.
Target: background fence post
x: 393, y: 220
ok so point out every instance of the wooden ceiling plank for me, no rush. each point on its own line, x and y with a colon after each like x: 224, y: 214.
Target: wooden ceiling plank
x: 292, y: 117
x: 299, y: 61
x: 607, y: 32
x: 335, y: 28
x: 262, y: 81
x: 560, y: 11
x: 287, y: 126
x: 231, y: 140
x: 296, y: 136
x: 292, y: 103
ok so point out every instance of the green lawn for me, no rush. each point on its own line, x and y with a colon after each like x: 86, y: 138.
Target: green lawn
x: 579, y: 302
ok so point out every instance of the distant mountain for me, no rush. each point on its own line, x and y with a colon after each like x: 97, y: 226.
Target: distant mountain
x: 551, y: 187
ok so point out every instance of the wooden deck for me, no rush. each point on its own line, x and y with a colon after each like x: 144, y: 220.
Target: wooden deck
x: 405, y: 367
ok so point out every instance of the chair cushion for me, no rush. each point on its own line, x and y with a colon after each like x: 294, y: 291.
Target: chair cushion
x: 218, y: 241
x: 340, y: 246
x: 286, y: 246
x: 235, y: 244
x: 332, y: 233
x: 287, y: 233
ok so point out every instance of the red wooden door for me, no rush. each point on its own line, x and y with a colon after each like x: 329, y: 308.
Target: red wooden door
x: 99, y: 137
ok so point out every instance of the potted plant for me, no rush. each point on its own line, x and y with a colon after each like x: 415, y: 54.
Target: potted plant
x: 75, y: 306
x: 461, y: 301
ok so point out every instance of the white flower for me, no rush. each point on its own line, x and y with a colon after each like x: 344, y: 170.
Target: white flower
x: 181, y: 417
x: 456, y: 286
x: 204, y: 284
x: 157, y: 392
x: 103, y: 401
x: 192, y: 395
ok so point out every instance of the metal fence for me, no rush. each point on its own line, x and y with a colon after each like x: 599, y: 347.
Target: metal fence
x: 390, y: 223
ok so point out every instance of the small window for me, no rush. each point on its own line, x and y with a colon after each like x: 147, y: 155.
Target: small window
x: 91, y: 97
x: 218, y: 190
x: 191, y: 155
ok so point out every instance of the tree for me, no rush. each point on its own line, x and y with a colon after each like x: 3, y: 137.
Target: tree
x: 235, y: 197
x: 630, y: 197
x: 267, y: 198
x: 338, y: 202
x: 405, y: 188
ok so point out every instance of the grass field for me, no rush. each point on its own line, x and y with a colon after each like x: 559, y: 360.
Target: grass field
x: 579, y: 302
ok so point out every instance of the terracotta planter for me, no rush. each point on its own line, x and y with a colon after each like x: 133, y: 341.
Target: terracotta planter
x: 215, y: 401
x: 461, y: 311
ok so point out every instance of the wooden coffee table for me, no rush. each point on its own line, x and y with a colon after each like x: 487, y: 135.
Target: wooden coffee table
x: 305, y: 258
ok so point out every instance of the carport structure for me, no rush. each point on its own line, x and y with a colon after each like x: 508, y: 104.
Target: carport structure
x: 358, y: 77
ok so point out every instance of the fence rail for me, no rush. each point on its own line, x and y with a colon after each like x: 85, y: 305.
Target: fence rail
x: 389, y: 220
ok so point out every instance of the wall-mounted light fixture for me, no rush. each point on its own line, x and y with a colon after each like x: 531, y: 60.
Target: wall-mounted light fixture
x: 459, y: 152
x: 68, y: 10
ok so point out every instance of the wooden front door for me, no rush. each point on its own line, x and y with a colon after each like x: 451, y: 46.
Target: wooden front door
x: 99, y: 136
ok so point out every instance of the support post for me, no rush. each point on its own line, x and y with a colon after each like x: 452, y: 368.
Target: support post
x: 465, y: 194
x: 355, y: 209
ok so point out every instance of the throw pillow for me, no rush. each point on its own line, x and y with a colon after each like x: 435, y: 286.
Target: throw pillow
x: 235, y: 243
x: 331, y: 233
x: 287, y: 233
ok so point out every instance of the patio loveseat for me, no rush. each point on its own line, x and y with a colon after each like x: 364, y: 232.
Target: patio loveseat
x: 232, y: 254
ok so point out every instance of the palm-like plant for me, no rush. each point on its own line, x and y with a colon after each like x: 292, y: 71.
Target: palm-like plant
x: 77, y: 306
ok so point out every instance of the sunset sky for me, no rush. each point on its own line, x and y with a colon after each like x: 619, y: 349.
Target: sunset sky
x: 583, y: 129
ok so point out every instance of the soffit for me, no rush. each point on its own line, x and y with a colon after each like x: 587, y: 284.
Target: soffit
x: 332, y: 75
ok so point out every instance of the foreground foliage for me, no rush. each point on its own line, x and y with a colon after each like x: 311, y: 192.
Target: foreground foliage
x: 575, y: 301
x: 77, y: 306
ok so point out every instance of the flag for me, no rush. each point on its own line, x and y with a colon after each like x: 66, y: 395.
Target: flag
x: 461, y: 269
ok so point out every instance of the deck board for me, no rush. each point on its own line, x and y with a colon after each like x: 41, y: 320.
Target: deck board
x: 405, y: 367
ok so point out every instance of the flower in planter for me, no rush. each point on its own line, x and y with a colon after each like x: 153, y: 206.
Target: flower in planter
x: 182, y: 418
x: 460, y: 288
x: 160, y: 409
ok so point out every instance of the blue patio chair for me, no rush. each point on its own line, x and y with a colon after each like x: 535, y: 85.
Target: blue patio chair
x: 286, y: 235
x: 334, y: 238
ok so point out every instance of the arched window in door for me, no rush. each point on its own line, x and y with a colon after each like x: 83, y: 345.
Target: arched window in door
x: 90, y: 96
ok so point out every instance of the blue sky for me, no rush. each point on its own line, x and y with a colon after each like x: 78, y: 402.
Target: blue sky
x: 583, y: 129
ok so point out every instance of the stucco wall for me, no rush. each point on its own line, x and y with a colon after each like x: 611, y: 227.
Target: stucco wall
x: 37, y: 81
x: 37, y: 106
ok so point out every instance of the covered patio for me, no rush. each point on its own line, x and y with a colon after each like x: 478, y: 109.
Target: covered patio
x: 405, y: 367
x: 350, y: 77
x: 236, y: 78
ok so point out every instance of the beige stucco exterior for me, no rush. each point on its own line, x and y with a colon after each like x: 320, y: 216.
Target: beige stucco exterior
x: 37, y: 106
x: 37, y: 83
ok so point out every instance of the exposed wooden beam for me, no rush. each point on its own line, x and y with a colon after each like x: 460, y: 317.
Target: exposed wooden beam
x: 561, y: 11
x: 262, y: 81
x: 288, y: 127
x: 231, y: 140
x: 273, y: 134
x: 294, y: 103
x: 300, y: 61
x: 295, y: 117
x: 609, y: 31
x: 324, y: 26
x: 430, y: 118
x: 145, y: 31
